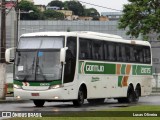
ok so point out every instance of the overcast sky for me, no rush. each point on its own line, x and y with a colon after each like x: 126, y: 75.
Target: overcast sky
x: 114, y: 4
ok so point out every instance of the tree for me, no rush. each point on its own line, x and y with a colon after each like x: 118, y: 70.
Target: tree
x: 74, y: 6
x: 141, y: 17
x: 92, y: 12
x: 51, y: 14
x: 27, y: 6
x: 56, y: 3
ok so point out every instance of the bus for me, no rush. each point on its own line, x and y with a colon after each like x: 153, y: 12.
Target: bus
x: 74, y: 66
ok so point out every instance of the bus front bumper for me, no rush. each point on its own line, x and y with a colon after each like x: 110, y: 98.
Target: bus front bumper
x: 51, y: 94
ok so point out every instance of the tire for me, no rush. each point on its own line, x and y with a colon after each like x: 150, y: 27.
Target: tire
x: 137, y: 94
x: 130, y: 96
x: 39, y: 103
x: 80, y: 100
x: 96, y: 101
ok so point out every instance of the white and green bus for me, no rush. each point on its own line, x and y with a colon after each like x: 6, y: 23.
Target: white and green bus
x: 73, y: 66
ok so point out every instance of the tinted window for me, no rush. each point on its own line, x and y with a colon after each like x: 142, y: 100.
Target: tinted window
x: 97, y: 50
x: 117, y: 52
x: 106, y: 51
x: 70, y: 60
x: 85, y: 49
x: 112, y: 51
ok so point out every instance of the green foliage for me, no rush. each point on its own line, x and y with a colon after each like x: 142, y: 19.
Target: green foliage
x: 26, y: 6
x: 51, y: 14
x: 74, y: 6
x: 56, y: 3
x: 141, y: 17
x: 92, y: 12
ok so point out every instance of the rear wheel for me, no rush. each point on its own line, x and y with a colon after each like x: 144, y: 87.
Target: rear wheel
x: 137, y: 94
x: 39, y: 103
x: 130, y: 96
x: 80, y: 100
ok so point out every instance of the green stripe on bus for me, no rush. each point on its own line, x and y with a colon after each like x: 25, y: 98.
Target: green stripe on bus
x: 123, y: 69
x: 98, y: 68
x: 141, y: 70
x: 106, y: 68
x: 120, y: 81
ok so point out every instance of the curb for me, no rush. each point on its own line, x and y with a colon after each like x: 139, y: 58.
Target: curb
x: 155, y: 94
x: 12, y: 100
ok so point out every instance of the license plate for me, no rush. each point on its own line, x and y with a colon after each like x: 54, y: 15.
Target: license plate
x: 35, y: 94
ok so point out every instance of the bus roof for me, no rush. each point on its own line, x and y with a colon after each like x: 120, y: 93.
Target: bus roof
x: 89, y: 35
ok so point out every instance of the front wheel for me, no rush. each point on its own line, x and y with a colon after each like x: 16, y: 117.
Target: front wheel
x: 39, y: 103
x: 80, y: 100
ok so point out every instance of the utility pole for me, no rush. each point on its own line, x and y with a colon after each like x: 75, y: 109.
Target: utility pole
x: 3, y: 48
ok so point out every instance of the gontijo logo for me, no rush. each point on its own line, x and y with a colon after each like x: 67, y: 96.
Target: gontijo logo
x: 95, y: 68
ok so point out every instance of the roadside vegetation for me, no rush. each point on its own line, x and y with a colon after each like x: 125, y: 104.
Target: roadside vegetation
x: 141, y: 109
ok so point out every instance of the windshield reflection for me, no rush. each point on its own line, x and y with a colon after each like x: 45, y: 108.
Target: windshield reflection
x: 38, y: 65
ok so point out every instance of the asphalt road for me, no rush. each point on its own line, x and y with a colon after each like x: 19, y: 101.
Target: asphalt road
x: 68, y: 106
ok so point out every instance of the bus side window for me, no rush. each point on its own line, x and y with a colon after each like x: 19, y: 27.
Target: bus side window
x: 132, y: 54
x: 127, y: 50
x: 118, y: 52
x: 106, y: 51
x: 123, y: 52
x: 112, y: 52
x: 147, y: 55
x: 70, y: 59
x: 97, y: 50
x: 84, y: 49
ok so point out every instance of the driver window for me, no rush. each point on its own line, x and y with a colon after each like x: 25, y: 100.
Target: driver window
x: 70, y: 59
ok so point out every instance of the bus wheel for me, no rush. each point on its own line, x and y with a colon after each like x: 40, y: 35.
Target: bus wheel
x: 39, y: 103
x: 130, y: 96
x: 80, y: 100
x: 137, y: 94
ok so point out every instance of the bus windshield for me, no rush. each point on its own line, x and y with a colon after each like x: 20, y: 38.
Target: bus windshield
x: 38, y: 59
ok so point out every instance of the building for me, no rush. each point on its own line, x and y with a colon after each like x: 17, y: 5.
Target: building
x: 42, y: 8
x: 66, y: 12
x: 85, y: 18
x: 32, y: 1
x: 103, y: 18
x: 52, y: 8
x: 112, y: 15
x: 72, y: 17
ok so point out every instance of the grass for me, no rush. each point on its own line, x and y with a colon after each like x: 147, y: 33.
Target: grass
x: 9, y: 89
x: 150, y: 109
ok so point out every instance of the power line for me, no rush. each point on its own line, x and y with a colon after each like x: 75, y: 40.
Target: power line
x: 100, y: 6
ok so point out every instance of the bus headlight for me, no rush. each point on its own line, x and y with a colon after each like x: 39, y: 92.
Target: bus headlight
x: 55, y: 86
x: 17, y: 86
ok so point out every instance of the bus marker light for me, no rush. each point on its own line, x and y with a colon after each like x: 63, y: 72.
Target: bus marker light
x: 18, y: 97
x: 56, y: 97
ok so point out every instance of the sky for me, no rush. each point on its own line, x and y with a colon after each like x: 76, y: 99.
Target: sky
x: 114, y: 4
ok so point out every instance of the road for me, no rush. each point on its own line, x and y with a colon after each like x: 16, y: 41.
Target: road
x: 68, y: 106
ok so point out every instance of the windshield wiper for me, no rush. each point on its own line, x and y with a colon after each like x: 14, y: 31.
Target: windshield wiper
x: 41, y: 73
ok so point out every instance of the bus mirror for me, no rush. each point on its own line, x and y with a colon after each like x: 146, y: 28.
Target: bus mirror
x: 9, y: 55
x: 63, y: 54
